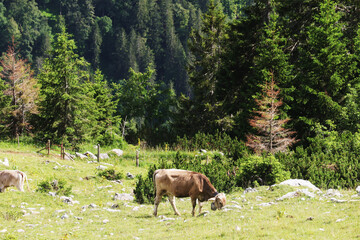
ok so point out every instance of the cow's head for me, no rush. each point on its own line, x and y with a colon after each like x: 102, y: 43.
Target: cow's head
x: 219, y: 201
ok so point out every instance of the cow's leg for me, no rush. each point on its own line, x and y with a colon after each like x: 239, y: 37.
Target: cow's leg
x: 172, y: 202
x: 200, y: 206
x: 193, y: 202
x: 156, y: 203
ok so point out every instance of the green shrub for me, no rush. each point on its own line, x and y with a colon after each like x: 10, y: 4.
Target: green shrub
x: 53, y: 185
x: 215, y: 168
x: 111, y: 174
x: 260, y: 170
x: 330, y: 161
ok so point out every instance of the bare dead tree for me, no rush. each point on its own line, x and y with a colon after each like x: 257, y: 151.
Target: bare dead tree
x: 272, y: 136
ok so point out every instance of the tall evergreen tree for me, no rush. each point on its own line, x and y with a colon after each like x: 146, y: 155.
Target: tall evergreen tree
x: 206, y: 46
x: 106, y: 131
x: 65, y: 107
x: 326, y: 70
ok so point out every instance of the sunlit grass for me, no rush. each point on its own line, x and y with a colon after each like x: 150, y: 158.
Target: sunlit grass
x: 35, y: 215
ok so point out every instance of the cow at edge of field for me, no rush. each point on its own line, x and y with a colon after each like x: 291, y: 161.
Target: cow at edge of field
x: 12, y: 178
x: 183, y: 183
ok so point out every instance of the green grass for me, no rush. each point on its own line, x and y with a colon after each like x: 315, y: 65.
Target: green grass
x: 35, y: 215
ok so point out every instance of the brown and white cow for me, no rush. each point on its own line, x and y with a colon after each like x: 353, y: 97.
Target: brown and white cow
x: 12, y: 178
x: 183, y: 183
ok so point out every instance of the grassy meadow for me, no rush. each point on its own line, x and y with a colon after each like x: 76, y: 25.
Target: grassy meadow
x: 35, y: 215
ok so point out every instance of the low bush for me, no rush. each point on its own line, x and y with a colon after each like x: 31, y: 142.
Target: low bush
x: 59, y: 187
x: 111, y: 174
x: 330, y: 161
x: 260, y: 170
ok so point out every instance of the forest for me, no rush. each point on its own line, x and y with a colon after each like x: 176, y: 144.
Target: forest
x: 271, y: 75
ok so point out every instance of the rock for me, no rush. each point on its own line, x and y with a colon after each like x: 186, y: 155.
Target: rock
x: 52, y: 194
x: 358, y: 190
x: 5, y: 162
x: 80, y: 155
x: 203, y: 151
x: 123, y: 197
x: 333, y: 193
x: 115, y: 205
x: 65, y: 216
x: 3, y: 231
x: 104, y: 156
x: 205, y: 213
x: 20, y: 230
x: 265, y: 204
x: 300, y: 182
x: 309, y: 219
x: 68, y: 200
x: 106, y: 221
x: 338, y: 200
x: 118, y: 152
x: 101, y: 167
x: 296, y: 194
x: 92, y: 205
x: 249, y: 189
x: 90, y: 155
x: 130, y: 176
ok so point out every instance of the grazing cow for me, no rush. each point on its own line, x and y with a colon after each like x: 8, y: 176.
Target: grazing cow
x: 12, y: 178
x: 183, y: 183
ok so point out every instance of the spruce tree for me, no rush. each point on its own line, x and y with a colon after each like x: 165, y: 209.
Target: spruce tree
x: 66, y: 107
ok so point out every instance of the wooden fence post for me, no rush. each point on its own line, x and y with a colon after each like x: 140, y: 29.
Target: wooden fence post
x: 137, y: 158
x: 98, y: 153
x: 48, y: 147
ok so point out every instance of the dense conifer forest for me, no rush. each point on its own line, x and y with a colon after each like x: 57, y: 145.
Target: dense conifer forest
x: 157, y: 71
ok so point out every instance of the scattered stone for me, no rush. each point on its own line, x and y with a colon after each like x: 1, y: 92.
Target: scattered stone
x: 79, y: 218
x: 130, y: 176
x: 115, y: 205
x: 204, y: 214
x: 92, y: 205
x: 5, y: 162
x: 117, y: 181
x: 338, y: 200
x: 103, y: 187
x: 104, y: 156
x: 101, y: 167
x: 358, y: 190
x: 123, y: 197
x: 90, y: 155
x: 135, y: 208
x: 249, y: 190
x: 112, y: 210
x: 300, y: 182
x: 309, y: 219
x: 3, y: 231
x: 333, y: 193
x: 296, y: 194
x: 20, y: 230
x: 80, y: 155
x: 237, y: 228
x: 106, y: 221
x: 340, y: 220
x: 266, y: 204
x: 65, y: 216
x: 163, y: 218
x: 118, y: 152
x: 203, y: 151
x: 68, y: 200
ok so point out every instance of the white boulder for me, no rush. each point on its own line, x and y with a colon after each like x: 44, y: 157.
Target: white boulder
x: 300, y: 182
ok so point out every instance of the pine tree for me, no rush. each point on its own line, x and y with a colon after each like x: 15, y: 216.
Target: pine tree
x: 21, y: 87
x: 326, y: 70
x: 66, y: 106
x: 106, y: 130
x: 272, y: 137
